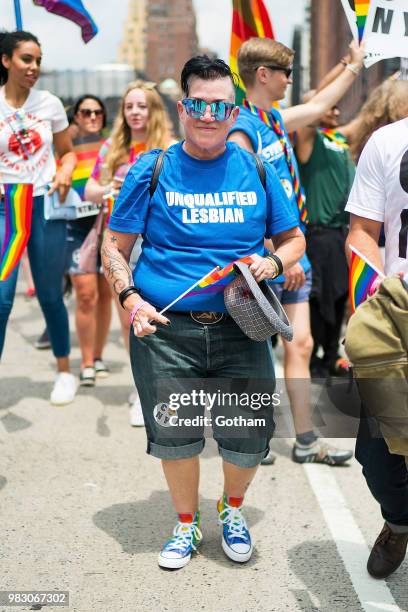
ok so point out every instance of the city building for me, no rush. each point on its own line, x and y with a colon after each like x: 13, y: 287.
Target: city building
x: 171, y: 38
x: 159, y: 37
x: 132, y: 49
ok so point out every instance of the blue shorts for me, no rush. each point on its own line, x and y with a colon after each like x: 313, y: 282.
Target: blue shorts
x: 293, y: 297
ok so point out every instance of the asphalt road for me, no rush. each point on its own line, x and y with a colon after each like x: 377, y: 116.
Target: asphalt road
x: 83, y: 508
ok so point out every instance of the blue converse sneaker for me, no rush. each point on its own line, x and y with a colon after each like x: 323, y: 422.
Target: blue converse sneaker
x: 236, y: 541
x: 187, y: 536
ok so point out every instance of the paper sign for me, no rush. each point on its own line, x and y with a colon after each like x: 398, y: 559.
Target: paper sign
x: 386, y: 30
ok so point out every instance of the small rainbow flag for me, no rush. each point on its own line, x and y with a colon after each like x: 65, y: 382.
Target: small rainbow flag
x: 362, y: 7
x: 109, y: 203
x: 207, y: 284
x: 362, y: 275
x: 18, y: 206
x: 335, y: 136
x: 249, y: 19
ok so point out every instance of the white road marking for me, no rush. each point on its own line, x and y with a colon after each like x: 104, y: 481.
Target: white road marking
x: 374, y: 595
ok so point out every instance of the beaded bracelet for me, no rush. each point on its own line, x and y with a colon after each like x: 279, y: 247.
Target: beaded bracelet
x: 135, y: 311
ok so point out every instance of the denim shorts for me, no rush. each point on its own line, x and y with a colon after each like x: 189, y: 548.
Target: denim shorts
x: 216, y: 355
x: 77, y: 231
x: 293, y: 297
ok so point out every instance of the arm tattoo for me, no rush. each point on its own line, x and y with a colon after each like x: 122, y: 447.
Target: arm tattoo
x: 117, y: 271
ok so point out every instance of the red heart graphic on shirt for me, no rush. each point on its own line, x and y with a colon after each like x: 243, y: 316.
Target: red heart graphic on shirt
x: 25, y: 142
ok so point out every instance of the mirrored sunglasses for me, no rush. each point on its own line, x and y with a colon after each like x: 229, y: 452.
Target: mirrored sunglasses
x: 196, y: 108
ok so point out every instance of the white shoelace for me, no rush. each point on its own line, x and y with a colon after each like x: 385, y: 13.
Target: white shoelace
x: 184, y: 534
x: 233, y: 517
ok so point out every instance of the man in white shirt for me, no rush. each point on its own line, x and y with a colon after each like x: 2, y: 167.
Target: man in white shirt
x: 380, y: 195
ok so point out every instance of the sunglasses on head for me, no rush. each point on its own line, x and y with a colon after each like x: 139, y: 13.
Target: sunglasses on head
x: 88, y: 112
x: 287, y: 71
x: 196, y: 108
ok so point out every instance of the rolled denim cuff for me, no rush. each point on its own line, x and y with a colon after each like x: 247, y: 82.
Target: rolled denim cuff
x: 175, y: 452
x: 244, y: 460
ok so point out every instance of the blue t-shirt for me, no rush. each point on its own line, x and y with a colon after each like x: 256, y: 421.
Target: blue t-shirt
x: 266, y: 143
x: 202, y: 214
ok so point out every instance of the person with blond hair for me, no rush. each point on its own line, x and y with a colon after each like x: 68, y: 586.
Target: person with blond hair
x: 140, y: 126
x: 265, y: 67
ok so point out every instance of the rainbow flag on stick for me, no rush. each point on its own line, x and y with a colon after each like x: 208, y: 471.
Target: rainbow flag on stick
x: 362, y: 7
x: 205, y: 284
x: 362, y: 275
x: 249, y: 19
x: 18, y: 206
x: 73, y: 10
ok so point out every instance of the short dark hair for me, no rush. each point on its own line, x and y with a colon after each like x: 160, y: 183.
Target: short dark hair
x: 202, y: 67
x: 90, y: 97
x: 10, y: 41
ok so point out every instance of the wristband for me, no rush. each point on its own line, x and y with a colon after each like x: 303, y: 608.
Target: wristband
x: 135, y: 311
x: 354, y: 68
x: 277, y: 261
x: 125, y: 293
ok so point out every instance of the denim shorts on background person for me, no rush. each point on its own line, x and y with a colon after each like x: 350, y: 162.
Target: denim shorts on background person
x: 293, y: 297
x: 202, y: 353
x: 77, y: 231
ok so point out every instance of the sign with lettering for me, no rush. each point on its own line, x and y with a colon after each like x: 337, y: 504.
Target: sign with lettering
x: 386, y: 30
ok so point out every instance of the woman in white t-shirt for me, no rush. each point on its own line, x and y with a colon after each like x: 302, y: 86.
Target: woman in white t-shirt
x: 32, y: 122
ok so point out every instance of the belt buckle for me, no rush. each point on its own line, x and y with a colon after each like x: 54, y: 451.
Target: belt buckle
x: 206, y: 317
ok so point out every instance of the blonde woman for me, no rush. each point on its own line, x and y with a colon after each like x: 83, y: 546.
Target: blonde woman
x: 386, y: 104
x: 141, y: 125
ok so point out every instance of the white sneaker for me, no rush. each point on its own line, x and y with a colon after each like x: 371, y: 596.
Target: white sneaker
x: 65, y: 387
x: 136, y: 414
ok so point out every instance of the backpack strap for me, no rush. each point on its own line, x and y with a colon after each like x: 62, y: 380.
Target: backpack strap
x: 157, y: 168
x: 260, y: 167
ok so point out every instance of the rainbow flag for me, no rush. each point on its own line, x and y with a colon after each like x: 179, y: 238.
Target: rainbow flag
x: 335, y: 136
x: 18, y: 206
x: 207, y: 284
x: 362, y: 7
x: 87, y: 154
x: 249, y: 19
x: 362, y: 275
x: 73, y: 10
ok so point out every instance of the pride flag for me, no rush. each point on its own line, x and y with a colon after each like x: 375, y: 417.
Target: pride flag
x: 86, y: 154
x: 362, y: 7
x: 211, y: 283
x: 249, y: 19
x: 18, y: 206
x: 73, y: 10
x: 362, y: 275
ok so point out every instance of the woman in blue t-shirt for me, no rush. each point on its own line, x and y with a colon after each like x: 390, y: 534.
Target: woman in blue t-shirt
x: 208, y: 208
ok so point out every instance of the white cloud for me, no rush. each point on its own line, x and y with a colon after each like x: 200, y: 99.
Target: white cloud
x: 63, y: 46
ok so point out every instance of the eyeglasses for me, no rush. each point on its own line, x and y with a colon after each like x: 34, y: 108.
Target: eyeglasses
x: 287, y: 71
x: 88, y: 112
x: 196, y: 108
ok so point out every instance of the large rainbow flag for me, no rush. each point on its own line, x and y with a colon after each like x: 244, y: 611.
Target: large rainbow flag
x: 249, y: 19
x: 18, y: 206
x: 362, y: 275
x: 361, y: 7
x: 73, y: 10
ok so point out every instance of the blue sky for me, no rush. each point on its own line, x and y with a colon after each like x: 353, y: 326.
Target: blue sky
x: 63, y: 46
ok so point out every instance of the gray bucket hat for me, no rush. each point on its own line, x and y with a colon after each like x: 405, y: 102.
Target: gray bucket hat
x: 255, y: 307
